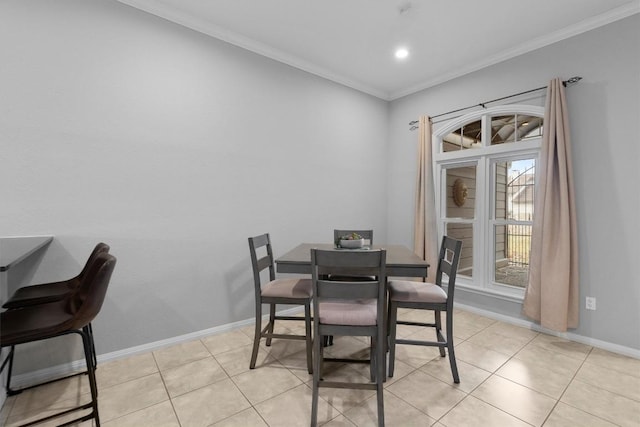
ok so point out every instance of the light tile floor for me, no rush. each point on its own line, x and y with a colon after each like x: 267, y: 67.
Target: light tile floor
x: 510, y: 376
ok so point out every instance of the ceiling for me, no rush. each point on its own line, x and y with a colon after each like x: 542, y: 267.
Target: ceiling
x: 352, y: 42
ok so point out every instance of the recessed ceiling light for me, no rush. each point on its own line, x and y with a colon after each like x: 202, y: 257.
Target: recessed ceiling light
x: 401, y: 53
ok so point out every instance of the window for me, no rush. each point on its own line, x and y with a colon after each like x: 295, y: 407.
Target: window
x: 485, y: 174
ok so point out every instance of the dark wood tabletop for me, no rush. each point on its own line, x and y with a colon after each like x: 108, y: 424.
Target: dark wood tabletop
x: 401, y: 261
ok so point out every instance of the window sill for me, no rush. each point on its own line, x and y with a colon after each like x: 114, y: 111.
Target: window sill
x: 515, y: 295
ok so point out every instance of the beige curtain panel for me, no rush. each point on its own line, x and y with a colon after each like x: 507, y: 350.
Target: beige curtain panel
x: 425, y: 234
x: 552, y: 296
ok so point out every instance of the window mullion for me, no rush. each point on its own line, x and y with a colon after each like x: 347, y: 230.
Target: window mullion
x: 486, y: 130
x: 482, y: 218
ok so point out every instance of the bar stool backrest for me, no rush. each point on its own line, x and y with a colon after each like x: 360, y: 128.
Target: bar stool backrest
x: 86, y: 301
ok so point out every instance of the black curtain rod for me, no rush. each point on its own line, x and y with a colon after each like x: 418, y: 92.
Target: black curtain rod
x: 565, y: 83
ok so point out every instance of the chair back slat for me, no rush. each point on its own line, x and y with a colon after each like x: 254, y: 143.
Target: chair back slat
x: 261, y: 240
x: 264, y: 262
x: 327, y: 263
x: 329, y: 289
x: 348, y: 260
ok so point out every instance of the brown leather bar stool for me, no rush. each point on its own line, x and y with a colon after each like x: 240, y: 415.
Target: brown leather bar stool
x: 70, y: 315
x: 56, y: 291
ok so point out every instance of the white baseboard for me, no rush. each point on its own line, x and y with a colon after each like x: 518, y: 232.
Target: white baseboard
x: 67, y: 368
x: 614, y: 348
x: 59, y: 371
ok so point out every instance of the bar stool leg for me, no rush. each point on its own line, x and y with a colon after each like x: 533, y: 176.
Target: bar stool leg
x: 86, y: 341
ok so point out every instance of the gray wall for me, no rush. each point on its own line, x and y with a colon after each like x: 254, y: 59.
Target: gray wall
x: 604, y: 110
x: 172, y: 147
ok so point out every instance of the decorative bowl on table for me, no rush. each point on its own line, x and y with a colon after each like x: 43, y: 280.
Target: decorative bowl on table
x: 352, y: 244
x: 350, y: 241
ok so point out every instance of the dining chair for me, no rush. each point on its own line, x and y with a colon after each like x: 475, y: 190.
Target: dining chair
x: 427, y: 296
x: 70, y: 315
x: 55, y: 291
x: 367, y: 235
x: 353, y: 308
x: 295, y: 291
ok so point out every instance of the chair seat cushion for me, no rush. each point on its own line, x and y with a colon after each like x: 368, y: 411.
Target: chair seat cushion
x: 33, y: 323
x: 409, y: 291
x: 40, y: 294
x: 288, y: 288
x: 352, y: 313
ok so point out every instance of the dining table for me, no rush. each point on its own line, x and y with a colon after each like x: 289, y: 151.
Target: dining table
x: 401, y: 261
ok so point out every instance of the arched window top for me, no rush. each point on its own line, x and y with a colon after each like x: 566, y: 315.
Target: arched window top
x: 492, y: 126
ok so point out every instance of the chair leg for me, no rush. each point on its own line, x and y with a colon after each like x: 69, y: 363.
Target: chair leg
x: 93, y: 346
x: 92, y: 349
x: 317, y: 370
x: 93, y: 405
x: 439, y: 337
x: 451, y: 351
x: 380, y: 374
x: 9, y: 358
x: 88, y: 354
x: 308, y: 341
x: 256, y: 336
x: 272, y: 322
x: 393, y: 317
x: 373, y: 353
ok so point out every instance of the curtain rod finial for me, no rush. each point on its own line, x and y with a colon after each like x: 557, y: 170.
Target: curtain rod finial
x: 572, y: 80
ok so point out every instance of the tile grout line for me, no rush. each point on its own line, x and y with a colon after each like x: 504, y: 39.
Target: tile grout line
x: 468, y: 394
x: 166, y: 389
x: 573, y: 378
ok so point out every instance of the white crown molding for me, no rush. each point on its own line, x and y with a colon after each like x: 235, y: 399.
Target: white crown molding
x: 249, y: 44
x: 573, y: 30
x: 202, y: 26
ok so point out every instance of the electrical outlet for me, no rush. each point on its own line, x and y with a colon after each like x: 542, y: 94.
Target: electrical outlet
x: 591, y: 303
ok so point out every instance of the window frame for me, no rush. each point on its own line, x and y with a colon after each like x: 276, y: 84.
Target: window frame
x: 484, y: 157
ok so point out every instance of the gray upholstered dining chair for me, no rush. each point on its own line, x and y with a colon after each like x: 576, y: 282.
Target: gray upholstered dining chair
x: 353, y: 308
x: 427, y: 296
x: 294, y: 291
x: 367, y: 235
